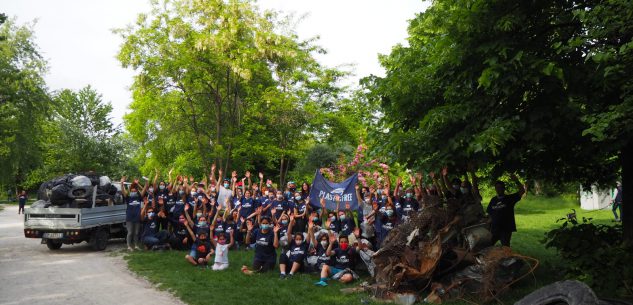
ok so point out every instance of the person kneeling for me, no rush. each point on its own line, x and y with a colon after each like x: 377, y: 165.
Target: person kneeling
x: 151, y: 236
x: 222, y: 251
x: 342, y: 262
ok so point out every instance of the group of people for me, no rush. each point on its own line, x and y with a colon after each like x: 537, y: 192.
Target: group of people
x: 211, y: 217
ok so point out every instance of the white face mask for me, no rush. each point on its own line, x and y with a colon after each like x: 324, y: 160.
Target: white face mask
x: 324, y: 243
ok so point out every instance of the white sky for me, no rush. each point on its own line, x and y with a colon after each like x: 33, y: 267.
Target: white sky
x: 76, y: 39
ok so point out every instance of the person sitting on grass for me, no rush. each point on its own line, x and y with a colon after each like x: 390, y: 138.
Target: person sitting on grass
x: 340, y: 270
x: 221, y: 251
x: 200, y: 250
x: 151, y: 235
x: 291, y: 261
x: 179, y: 239
x: 266, y: 241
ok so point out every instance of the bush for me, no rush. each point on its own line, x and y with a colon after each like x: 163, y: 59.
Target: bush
x: 594, y: 254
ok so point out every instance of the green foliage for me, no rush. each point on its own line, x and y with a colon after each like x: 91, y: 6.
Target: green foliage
x: 537, y: 86
x: 594, y: 254
x: 23, y: 102
x: 220, y: 81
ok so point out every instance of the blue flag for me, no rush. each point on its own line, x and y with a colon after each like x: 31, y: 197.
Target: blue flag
x: 322, y: 188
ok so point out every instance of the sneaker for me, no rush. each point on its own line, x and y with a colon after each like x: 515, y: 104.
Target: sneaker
x: 321, y: 283
x: 282, y: 276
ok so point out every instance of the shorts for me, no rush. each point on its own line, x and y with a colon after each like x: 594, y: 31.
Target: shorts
x: 220, y: 266
x: 192, y: 253
x: 284, y: 259
x: 263, y: 266
x: 334, y: 271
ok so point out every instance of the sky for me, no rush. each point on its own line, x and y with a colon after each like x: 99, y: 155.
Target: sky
x: 75, y: 37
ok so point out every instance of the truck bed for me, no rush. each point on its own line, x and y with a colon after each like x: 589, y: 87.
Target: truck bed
x: 71, y: 218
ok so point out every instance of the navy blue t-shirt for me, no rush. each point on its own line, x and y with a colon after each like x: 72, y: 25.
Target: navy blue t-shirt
x: 202, y: 247
x: 298, y: 252
x: 264, y: 249
x: 279, y: 207
x: 22, y: 200
x: 347, y: 226
x: 133, y: 210
x: 150, y: 227
x: 322, y: 257
x: 342, y: 259
x: 501, y: 211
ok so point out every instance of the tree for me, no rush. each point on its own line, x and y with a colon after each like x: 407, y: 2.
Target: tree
x: 23, y: 102
x: 218, y: 81
x: 80, y: 136
x: 513, y: 85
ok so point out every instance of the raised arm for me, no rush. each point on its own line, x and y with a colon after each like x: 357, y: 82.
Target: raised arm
x: 518, y: 183
x: 475, y: 183
x: 446, y: 184
x: 261, y: 180
x: 123, y: 189
x: 276, y: 236
x: 385, y: 171
x: 212, y: 174
x: 248, y: 178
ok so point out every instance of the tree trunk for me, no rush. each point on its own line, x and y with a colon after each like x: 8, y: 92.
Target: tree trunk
x: 281, y: 173
x: 626, y: 157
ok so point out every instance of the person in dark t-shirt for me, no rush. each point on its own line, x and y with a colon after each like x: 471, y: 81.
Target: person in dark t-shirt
x: 22, y: 198
x: 501, y: 212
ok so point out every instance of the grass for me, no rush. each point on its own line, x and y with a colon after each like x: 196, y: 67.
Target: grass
x: 169, y: 271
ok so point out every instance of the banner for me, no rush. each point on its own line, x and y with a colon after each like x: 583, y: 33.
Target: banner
x: 322, y: 188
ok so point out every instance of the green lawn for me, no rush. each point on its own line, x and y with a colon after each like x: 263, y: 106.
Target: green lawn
x: 168, y: 270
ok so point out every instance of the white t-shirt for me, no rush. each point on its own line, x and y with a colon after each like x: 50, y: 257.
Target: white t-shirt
x: 222, y: 253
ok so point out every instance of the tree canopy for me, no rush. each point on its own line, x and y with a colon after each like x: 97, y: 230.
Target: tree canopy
x: 220, y: 81
x: 535, y: 86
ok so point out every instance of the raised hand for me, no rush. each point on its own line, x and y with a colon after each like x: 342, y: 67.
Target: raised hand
x: 123, y: 179
x: 233, y: 174
x: 347, y: 206
x: 323, y: 202
x: 213, y: 168
x: 432, y: 174
x: 247, y: 174
x: 249, y: 225
x: 412, y: 179
x: 337, y: 198
x: 356, y: 187
x: 276, y: 228
x: 445, y: 171
x: 398, y: 180
x: 332, y: 238
x: 191, y: 179
x: 357, y: 232
x: 261, y: 176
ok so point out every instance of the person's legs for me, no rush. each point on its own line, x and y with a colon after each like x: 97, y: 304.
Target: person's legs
x: 21, y: 209
x: 150, y: 241
x: 129, y: 226
x: 614, y: 208
x: 325, y: 273
x: 505, y: 238
x: 191, y: 258
x: 296, y: 266
x: 137, y: 233
x: 283, y: 264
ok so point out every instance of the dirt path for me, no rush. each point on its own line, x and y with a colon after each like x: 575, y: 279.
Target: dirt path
x: 75, y: 274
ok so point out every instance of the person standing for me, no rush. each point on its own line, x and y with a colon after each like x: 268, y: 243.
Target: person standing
x: 501, y: 212
x: 22, y: 198
x: 617, y: 202
x: 133, y: 199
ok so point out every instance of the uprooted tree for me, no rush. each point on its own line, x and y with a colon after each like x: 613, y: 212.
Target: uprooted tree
x: 537, y: 86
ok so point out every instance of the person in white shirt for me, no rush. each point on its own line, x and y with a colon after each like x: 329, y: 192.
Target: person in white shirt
x: 221, y: 250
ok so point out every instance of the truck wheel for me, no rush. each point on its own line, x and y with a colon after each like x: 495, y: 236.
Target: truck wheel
x: 563, y: 292
x: 99, y: 240
x: 53, y: 244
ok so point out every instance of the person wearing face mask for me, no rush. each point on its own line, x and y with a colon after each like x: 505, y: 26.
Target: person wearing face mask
x: 247, y: 205
x: 342, y: 261
x: 179, y: 239
x: 266, y: 241
x: 365, y: 213
x: 178, y: 209
x: 279, y: 206
x: 201, y: 250
x: 162, y: 213
x: 318, y: 254
x: 133, y: 200
x: 300, y: 212
x: 152, y: 236
x: 221, y: 261
x: 346, y: 221
x: 409, y: 205
x: 201, y: 225
x: 291, y: 261
x: 388, y: 221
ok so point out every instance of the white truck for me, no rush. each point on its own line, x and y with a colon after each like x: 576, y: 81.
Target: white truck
x: 91, y: 219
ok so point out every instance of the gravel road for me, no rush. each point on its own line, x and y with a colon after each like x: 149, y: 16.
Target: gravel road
x: 75, y: 274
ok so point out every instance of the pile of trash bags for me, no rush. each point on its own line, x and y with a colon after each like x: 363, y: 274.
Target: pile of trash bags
x: 444, y: 252
x: 76, y: 191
